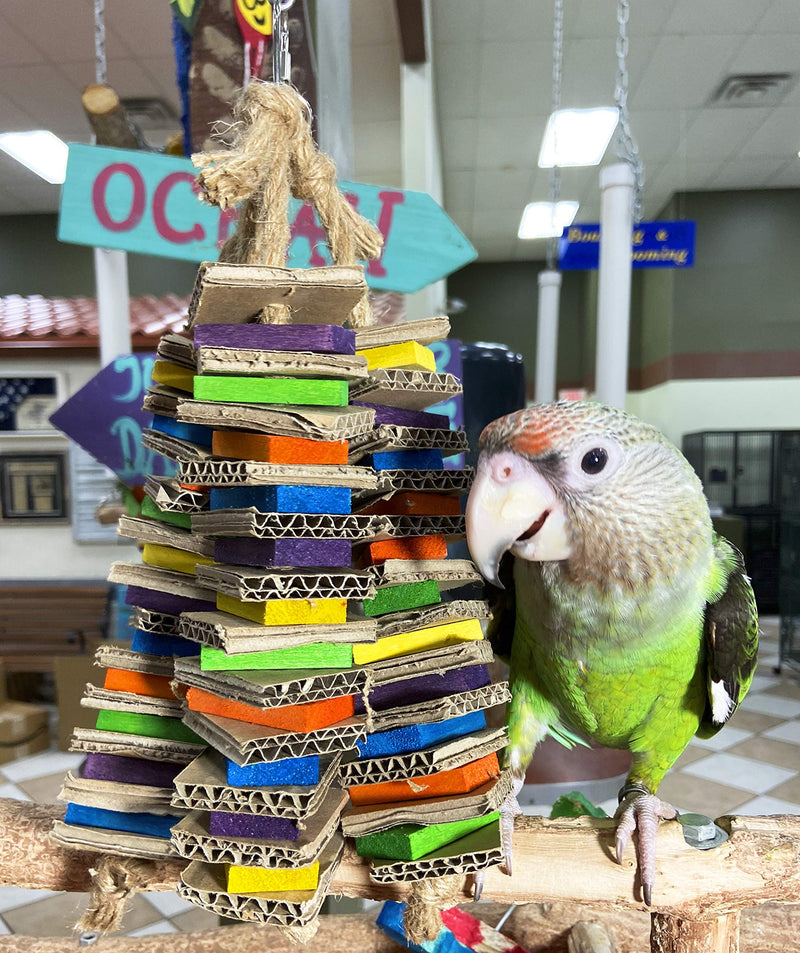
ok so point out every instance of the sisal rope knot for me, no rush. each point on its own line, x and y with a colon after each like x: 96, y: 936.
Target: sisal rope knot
x: 423, y: 916
x: 114, y: 880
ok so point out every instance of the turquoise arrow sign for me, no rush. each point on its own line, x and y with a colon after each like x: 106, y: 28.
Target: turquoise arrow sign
x: 145, y: 202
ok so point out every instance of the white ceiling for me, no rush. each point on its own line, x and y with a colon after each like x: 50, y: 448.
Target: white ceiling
x: 493, y: 63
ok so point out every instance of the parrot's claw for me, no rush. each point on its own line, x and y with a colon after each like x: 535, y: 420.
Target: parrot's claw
x: 508, y: 812
x: 641, y: 812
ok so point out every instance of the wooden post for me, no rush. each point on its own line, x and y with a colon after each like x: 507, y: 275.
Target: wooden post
x: 676, y: 935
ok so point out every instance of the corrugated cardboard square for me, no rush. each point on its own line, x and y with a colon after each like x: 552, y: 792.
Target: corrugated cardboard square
x: 72, y: 672
x: 448, y: 573
x: 447, y: 482
x: 250, y: 522
x: 112, y: 842
x: 161, y: 399
x: 173, y: 448
x: 393, y: 437
x: 234, y: 636
x: 253, y: 585
x: 217, y: 471
x: 204, y: 885
x: 191, y: 839
x: 157, y: 623
x: 439, y: 709
x: 247, y: 362
x: 233, y: 293
x: 396, y: 623
x: 162, y: 580
x: 171, y: 496
x: 250, y: 744
x: 409, y: 389
x: 117, y: 796
x: 106, y: 699
x: 177, y: 348
x: 369, y: 818
x: 24, y: 730
x: 203, y: 786
x: 164, y: 534
x: 93, y: 740
x: 436, y: 660
x: 423, y: 331
x: 116, y: 656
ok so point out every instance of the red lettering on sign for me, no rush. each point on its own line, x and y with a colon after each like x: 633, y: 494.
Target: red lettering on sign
x: 388, y: 202
x: 137, y: 202
x: 305, y: 226
x: 163, y: 227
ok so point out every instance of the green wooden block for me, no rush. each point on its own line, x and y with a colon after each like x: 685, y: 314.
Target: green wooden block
x: 271, y: 390
x: 152, y: 511
x: 398, y: 598
x: 316, y: 655
x: 150, y: 726
x: 412, y: 841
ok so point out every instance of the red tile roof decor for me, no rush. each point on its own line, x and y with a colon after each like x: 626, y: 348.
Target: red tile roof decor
x: 36, y: 322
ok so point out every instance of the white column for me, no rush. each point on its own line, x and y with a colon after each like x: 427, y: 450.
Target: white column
x: 614, y: 283
x: 113, y: 303
x: 547, y: 336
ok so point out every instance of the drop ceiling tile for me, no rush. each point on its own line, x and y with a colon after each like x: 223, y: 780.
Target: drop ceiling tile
x: 64, y: 31
x: 14, y: 48
x: 495, y: 249
x: 458, y: 141
x: 14, y: 118
x: 777, y: 136
x: 377, y: 145
x: 456, y: 67
x: 497, y: 222
x: 372, y: 21
x: 132, y: 20
x: 461, y: 22
x: 503, y: 187
x: 588, y: 76
x: 459, y: 190
x: 461, y: 215
x: 714, y: 16
x: 658, y: 131
x: 741, y: 173
x: 768, y: 54
x: 647, y: 18
x: 515, y: 79
x: 788, y: 177
x: 50, y: 101
x: 376, y: 86
x: 127, y: 76
x: 717, y: 133
x: 162, y: 71
x: 681, y: 174
x: 782, y: 16
x: 508, y: 143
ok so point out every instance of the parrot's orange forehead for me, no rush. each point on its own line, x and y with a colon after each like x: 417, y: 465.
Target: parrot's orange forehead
x: 533, y: 432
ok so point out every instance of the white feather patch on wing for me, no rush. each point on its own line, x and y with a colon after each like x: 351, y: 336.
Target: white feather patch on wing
x: 721, y: 703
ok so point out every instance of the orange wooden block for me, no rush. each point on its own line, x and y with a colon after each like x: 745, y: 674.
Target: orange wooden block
x: 307, y: 717
x: 442, y: 784
x: 413, y: 547
x: 121, y: 680
x: 416, y: 504
x: 265, y: 448
x: 192, y: 486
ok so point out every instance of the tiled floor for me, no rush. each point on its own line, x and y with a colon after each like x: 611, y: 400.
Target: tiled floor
x: 751, y: 767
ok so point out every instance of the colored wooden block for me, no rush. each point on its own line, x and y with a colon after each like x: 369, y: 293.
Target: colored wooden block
x: 286, y: 611
x: 315, y: 656
x: 412, y: 547
x: 155, y: 825
x: 173, y: 375
x: 412, y: 841
x: 272, y: 390
x: 115, y: 767
x: 148, y: 643
x: 165, y: 602
x: 434, y: 637
x: 226, y: 824
x: 402, y: 417
x: 426, y: 687
x: 154, y: 512
x: 268, y: 448
x: 138, y: 683
x: 415, y: 504
x: 408, y: 460
x: 409, y: 354
x: 165, y: 557
x: 302, y: 718
x: 149, y: 726
x: 380, y: 744
x: 461, y: 780
x: 317, y: 338
x: 282, y: 499
x: 410, y: 595
x: 194, y: 433
x: 262, y: 880
x: 302, y: 772
x: 269, y: 553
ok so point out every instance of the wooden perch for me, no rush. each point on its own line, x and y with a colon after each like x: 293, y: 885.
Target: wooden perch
x: 106, y: 116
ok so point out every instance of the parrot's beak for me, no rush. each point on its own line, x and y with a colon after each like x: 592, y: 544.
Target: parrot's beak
x: 513, y: 507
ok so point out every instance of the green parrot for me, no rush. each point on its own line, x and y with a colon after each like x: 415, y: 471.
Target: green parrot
x: 629, y: 621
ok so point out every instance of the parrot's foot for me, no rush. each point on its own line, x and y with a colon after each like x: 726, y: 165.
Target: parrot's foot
x: 508, y: 812
x: 641, y: 812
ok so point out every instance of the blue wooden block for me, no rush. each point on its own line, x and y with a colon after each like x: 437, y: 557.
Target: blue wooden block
x: 282, y: 499
x: 155, y: 825
x: 408, y: 460
x: 390, y: 920
x: 413, y: 737
x: 194, y: 433
x: 299, y: 771
x: 148, y: 643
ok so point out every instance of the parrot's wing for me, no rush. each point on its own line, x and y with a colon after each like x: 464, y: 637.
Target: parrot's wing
x: 731, y: 634
x: 503, y: 606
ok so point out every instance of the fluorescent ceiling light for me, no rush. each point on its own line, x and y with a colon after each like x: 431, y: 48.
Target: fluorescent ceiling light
x: 577, y: 136
x: 542, y: 220
x: 39, y: 150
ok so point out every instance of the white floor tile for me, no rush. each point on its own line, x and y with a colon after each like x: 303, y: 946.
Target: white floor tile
x: 788, y: 731
x: 39, y: 765
x: 11, y: 897
x: 167, y: 902
x: 768, y: 660
x: 726, y: 738
x: 762, y: 681
x: 772, y: 705
x: 11, y: 790
x: 4, y: 926
x: 738, y: 772
x: 767, y: 805
x: 161, y: 926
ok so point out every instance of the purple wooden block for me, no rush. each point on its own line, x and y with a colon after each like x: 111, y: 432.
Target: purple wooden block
x: 401, y: 417
x: 284, y: 552
x: 223, y: 824
x: 318, y: 338
x: 165, y: 602
x: 424, y: 688
x: 114, y: 767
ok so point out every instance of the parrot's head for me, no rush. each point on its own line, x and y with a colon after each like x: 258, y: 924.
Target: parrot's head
x: 585, y: 483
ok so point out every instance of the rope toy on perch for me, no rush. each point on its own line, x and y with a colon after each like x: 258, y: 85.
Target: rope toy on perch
x: 114, y: 880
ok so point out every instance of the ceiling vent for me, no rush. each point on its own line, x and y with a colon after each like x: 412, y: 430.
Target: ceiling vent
x: 150, y: 113
x: 753, y: 89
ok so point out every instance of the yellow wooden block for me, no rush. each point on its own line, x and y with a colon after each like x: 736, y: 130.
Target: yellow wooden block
x: 434, y: 637
x: 154, y: 554
x: 286, y: 611
x: 408, y: 354
x: 173, y: 375
x: 263, y: 880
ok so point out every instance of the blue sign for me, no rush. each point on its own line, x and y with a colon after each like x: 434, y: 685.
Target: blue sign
x: 653, y: 245
x: 146, y: 202
x: 448, y: 361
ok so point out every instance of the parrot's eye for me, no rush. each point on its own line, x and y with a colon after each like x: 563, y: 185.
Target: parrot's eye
x: 594, y: 461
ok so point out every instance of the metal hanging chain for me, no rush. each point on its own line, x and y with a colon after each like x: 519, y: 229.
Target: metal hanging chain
x: 281, y: 57
x: 627, y: 148
x: 100, y: 66
x: 555, y: 105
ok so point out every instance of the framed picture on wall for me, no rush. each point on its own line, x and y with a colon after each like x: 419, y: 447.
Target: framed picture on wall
x: 26, y: 402
x: 32, y: 487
